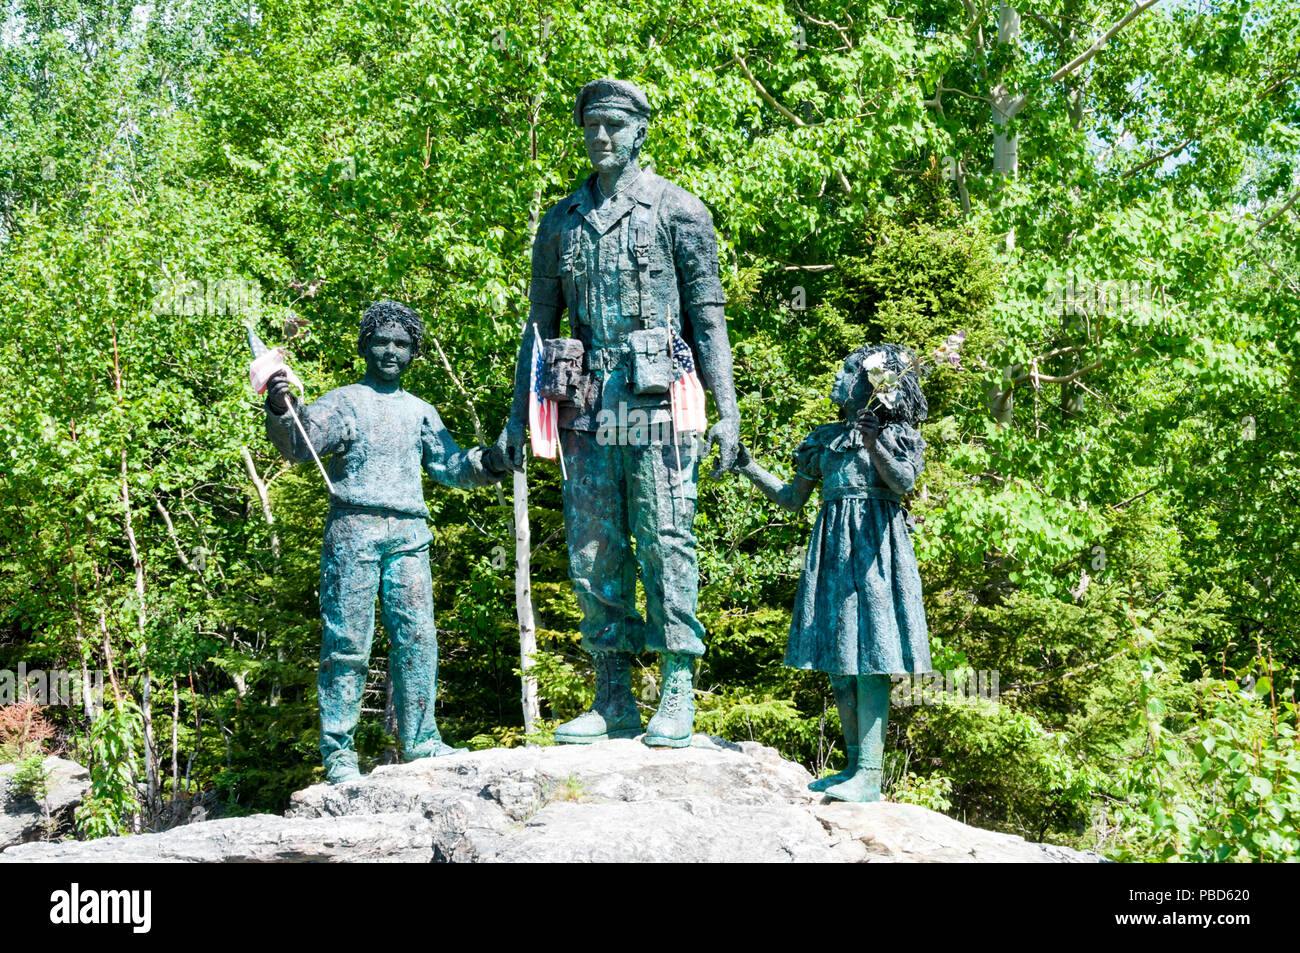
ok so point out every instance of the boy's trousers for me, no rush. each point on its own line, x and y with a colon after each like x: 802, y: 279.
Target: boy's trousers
x: 369, y: 552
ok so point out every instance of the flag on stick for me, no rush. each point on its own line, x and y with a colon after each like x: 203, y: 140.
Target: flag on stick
x: 543, y: 414
x: 266, y: 363
x: 687, y: 393
x: 685, y: 401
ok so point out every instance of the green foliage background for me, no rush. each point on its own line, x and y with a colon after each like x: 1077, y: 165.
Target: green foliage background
x: 1120, y: 544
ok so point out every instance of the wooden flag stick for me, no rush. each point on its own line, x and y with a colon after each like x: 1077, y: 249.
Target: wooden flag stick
x: 293, y: 413
x: 672, y: 414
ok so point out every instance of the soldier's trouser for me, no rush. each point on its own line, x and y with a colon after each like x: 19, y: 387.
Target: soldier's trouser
x: 367, y: 553
x: 615, y: 492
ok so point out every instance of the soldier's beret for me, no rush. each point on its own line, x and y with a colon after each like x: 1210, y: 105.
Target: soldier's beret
x: 613, y: 94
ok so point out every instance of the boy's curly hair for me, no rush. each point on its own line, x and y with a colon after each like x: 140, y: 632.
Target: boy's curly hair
x: 911, y: 406
x: 381, y: 313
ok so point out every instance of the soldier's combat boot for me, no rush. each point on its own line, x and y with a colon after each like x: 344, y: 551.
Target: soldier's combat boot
x: 341, y: 767
x: 614, y: 713
x: 674, y: 722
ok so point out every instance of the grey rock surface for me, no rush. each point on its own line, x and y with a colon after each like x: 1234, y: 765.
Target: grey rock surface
x: 613, y: 801
x: 260, y: 838
x: 907, y: 833
x: 23, y: 819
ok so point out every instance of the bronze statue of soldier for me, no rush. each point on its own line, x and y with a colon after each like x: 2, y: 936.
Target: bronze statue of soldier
x: 632, y: 260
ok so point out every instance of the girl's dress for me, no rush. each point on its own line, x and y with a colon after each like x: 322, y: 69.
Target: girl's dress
x: 858, y: 610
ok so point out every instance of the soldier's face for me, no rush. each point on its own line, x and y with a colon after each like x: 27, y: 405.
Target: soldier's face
x: 388, y: 351
x: 613, y: 137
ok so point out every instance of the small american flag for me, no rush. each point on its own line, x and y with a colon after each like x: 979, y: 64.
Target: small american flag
x: 687, y: 393
x: 266, y: 361
x: 543, y: 415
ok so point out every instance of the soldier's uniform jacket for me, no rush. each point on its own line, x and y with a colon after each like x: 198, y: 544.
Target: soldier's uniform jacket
x: 648, y: 257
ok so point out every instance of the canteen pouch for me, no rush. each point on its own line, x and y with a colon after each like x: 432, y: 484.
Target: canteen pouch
x: 652, y: 363
x: 563, y: 379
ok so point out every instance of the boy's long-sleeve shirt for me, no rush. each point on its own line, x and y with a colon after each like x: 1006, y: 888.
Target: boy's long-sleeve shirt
x: 378, y: 443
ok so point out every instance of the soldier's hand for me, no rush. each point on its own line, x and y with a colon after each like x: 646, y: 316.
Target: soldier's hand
x: 512, y: 441
x: 278, y: 393
x: 495, y: 458
x: 725, y: 435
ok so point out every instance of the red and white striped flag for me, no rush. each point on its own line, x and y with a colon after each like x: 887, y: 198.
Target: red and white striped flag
x: 687, y: 393
x: 266, y: 361
x: 543, y: 415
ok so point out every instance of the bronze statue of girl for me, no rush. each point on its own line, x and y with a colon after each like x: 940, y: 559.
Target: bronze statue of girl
x: 858, y: 615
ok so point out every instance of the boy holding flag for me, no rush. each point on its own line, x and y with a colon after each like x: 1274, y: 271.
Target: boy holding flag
x: 379, y: 439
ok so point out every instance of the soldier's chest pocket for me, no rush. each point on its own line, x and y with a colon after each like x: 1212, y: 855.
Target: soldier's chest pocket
x: 630, y: 282
x: 572, y: 267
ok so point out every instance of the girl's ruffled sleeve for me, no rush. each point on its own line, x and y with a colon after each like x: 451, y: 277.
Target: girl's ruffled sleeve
x: 899, y: 456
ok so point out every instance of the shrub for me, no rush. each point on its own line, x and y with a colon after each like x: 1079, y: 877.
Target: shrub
x: 23, y: 731
x: 31, y: 779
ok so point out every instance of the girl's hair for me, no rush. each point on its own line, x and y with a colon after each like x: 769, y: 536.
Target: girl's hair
x: 910, y: 407
x: 381, y: 313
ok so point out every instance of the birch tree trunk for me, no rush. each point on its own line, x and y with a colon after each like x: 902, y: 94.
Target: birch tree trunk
x: 142, y: 650
x: 1006, y: 163
x: 1006, y: 104
x: 142, y: 619
x: 262, y: 495
x: 176, y: 718
x: 524, y: 602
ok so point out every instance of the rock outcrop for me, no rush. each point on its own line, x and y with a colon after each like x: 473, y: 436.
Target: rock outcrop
x: 23, y: 819
x: 614, y: 801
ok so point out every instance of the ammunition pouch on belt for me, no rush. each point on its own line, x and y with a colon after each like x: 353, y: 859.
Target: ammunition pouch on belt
x: 563, y: 378
x: 652, y: 361
x: 566, y: 381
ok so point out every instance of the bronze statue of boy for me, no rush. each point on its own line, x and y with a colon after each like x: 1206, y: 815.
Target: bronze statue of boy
x: 380, y: 439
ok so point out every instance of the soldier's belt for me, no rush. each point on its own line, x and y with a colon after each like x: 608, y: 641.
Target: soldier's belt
x: 602, y: 360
